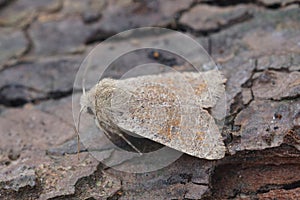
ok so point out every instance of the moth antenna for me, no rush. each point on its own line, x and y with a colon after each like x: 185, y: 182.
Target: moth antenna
x: 83, y: 81
x: 83, y: 87
x: 84, y: 73
x: 77, y: 130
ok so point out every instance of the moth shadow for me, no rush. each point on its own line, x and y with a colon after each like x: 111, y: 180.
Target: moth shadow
x: 144, y: 145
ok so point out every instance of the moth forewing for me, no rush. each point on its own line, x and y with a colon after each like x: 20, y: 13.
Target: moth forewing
x: 166, y: 108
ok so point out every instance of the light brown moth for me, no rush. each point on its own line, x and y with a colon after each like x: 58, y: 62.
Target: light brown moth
x: 169, y: 108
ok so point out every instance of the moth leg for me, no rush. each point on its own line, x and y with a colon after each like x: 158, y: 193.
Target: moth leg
x: 119, y: 134
x: 104, y: 130
x: 128, y: 142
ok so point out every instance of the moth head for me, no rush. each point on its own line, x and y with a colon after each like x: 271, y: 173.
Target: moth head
x: 100, y: 94
x: 87, y: 101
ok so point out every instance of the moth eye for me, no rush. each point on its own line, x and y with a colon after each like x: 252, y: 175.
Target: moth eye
x: 89, y: 110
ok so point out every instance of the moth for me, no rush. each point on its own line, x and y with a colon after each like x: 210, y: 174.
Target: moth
x: 170, y: 108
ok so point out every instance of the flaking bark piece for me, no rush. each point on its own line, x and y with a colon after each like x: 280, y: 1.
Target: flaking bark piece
x: 166, y: 108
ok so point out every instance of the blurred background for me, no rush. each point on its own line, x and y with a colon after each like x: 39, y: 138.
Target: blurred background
x: 256, y: 44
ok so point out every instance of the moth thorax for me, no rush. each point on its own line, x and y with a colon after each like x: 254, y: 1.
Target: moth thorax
x: 104, y: 93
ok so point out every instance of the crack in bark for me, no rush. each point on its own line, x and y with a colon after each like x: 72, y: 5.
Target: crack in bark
x: 30, y: 41
x: 270, y: 187
x: 220, y: 28
x: 227, y: 3
x: 6, y: 3
x: 18, y: 102
x: 267, y: 188
x: 249, y: 163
